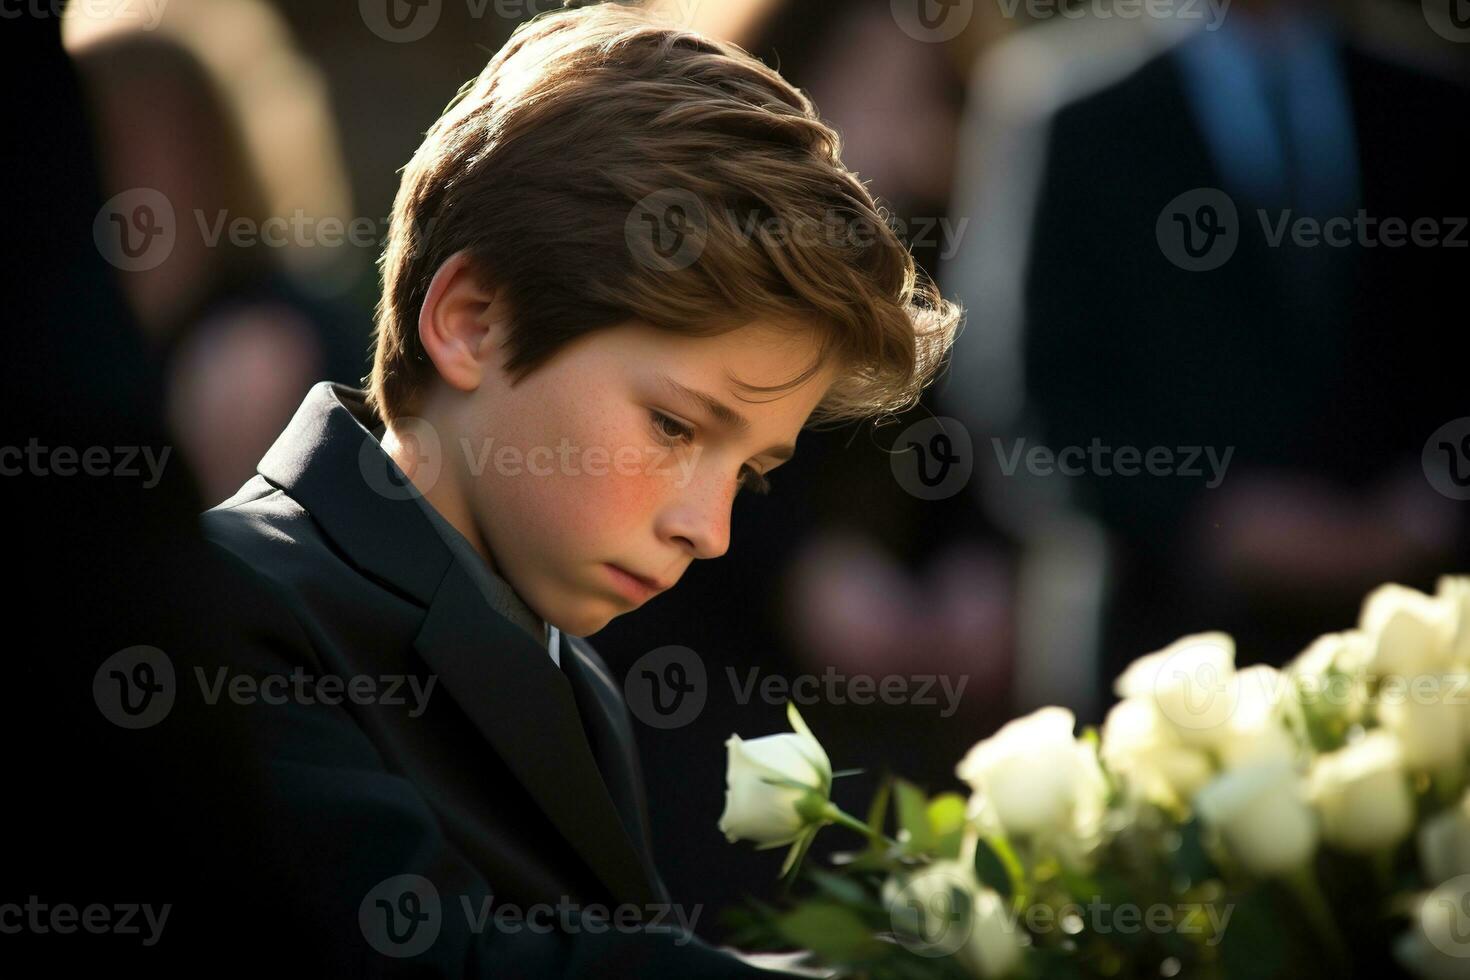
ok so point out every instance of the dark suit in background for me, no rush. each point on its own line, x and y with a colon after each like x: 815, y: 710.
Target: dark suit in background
x: 1325, y: 361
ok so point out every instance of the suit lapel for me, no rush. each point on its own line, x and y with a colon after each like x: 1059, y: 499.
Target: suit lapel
x: 329, y: 462
x: 600, y: 705
x: 525, y: 707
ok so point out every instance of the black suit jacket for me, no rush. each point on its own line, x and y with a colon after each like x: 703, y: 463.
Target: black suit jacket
x: 519, y: 783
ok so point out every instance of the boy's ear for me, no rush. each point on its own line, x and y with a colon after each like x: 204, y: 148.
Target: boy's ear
x: 462, y: 324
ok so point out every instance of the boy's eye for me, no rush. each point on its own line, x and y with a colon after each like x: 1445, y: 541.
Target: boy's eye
x: 673, y: 430
x: 668, y: 427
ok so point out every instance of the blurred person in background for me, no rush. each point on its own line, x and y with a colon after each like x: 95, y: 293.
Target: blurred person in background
x: 111, y: 812
x: 239, y: 338
x: 1315, y: 368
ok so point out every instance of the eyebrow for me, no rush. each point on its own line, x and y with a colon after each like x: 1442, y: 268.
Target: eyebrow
x: 726, y: 416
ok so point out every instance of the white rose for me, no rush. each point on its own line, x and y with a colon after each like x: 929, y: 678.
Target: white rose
x: 1444, y: 843
x: 1348, y: 651
x: 1258, y: 729
x: 1148, y: 757
x: 981, y: 820
x: 773, y: 784
x: 1427, y: 712
x: 1412, y: 633
x: 1453, y: 591
x: 1034, y: 774
x: 1189, y: 682
x: 1362, y: 794
x: 1089, y: 810
x: 994, y: 948
x: 1260, y: 812
x: 1330, y: 674
x: 922, y: 906
x: 1437, y: 947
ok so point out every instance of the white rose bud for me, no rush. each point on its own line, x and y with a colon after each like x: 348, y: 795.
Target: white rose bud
x: 1454, y: 592
x: 1412, y: 633
x: 1427, y: 712
x: 1189, y: 682
x: 1150, y: 760
x: 994, y: 949
x: 1362, y: 794
x: 1317, y: 670
x: 775, y: 786
x: 1437, y: 947
x: 1034, y: 774
x: 923, y: 908
x: 1257, y: 730
x: 1260, y: 812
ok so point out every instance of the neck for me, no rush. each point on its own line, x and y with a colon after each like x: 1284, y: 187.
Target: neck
x: 430, y: 474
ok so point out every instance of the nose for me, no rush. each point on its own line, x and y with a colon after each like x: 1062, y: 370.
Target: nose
x: 697, y: 518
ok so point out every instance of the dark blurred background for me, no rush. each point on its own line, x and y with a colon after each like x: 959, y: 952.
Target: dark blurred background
x: 1098, y: 184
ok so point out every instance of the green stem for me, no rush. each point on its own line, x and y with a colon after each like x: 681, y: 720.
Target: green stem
x: 1383, y: 869
x: 1303, y: 884
x: 834, y: 814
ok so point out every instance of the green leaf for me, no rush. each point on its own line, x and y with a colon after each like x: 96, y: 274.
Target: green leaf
x: 947, y: 823
x: 842, y: 889
x: 878, y: 809
x: 1010, y: 881
x: 992, y: 870
x: 913, y: 816
x: 830, y: 931
x: 791, y: 867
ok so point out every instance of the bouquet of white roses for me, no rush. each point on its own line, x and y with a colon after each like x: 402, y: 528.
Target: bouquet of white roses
x: 1307, y: 821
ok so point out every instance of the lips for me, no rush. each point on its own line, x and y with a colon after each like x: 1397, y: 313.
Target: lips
x: 638, y: 588
x: 653, y: 584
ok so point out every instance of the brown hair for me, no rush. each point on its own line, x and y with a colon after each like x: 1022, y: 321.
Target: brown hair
x: 606, y: 166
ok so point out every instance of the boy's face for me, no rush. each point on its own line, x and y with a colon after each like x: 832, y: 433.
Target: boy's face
x: 596, y: 465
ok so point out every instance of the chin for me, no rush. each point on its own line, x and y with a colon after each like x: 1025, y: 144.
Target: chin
x: 584, y: 621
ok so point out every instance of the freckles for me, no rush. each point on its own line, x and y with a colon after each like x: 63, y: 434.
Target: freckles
x: 627, y: 497
x: 606, y: 503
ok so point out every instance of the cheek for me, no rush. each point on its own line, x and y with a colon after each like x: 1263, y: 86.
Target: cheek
x: 606, y: 494
x: 629, y: 500
x: 610, y: 504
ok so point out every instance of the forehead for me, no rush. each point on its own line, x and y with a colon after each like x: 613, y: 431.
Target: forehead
x: 761, y: 354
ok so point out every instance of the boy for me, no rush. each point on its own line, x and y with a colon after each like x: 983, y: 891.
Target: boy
x: 613, y: 239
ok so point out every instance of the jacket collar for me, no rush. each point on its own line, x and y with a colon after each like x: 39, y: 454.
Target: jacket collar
x: 328, y: 460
